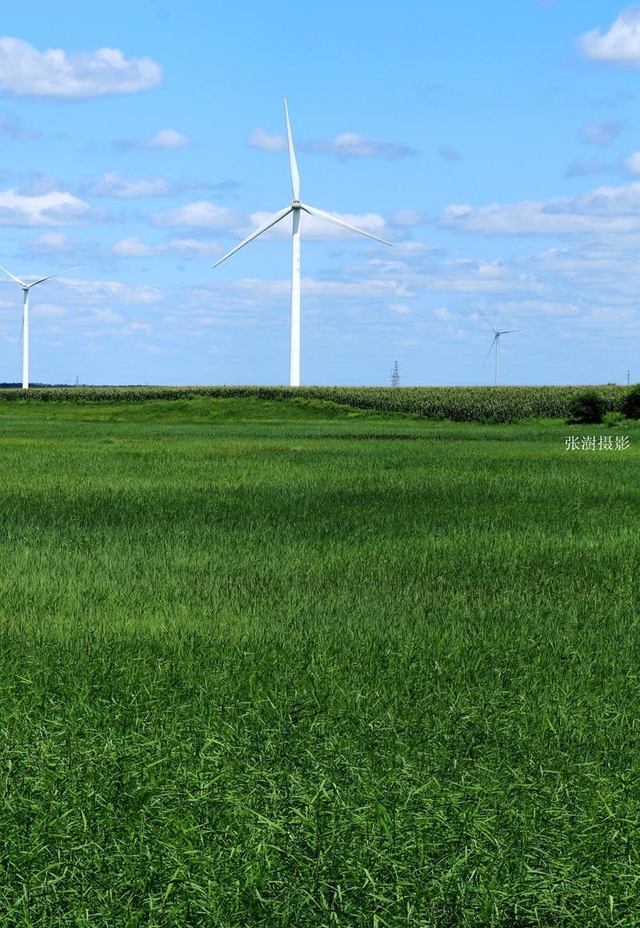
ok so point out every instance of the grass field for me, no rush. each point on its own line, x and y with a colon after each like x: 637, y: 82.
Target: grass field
x: 299, y: 665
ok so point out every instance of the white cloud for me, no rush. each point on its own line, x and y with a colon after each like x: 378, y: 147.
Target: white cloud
x: 52, y: 241
x: 449, y: 153
x: 261, y: 139
x: 167, y: 139
x: 25, y: 71
x: 186, y: 247
x: 11, y: 127
x: 191, y: 247
x: 36, y: 183
x: 134, y: 327
x: 50, y: 209
x: 343, y: 146
x: 63, y: 249
x: 620, y: 45
x: 141, y: 294
x: 407, y: 218
x: 360, y: 289
x: 632, y: 163
x: 97, y: 291
x: 493, y: 269
x: 411, y: 247
x: 107, y: 315
x: 537, y: 308
x: 600, y: 133
x: 353, y: 145
x: 444, y: 314
x: 112, y: 185
x: 604, y: 209
x: 163, y: 140
x: 132, y: 248
x: 203, y: 215
x: 580, y: 168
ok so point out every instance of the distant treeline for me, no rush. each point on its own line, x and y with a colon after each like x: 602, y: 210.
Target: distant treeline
x: 479, y: 404
x: 41, y: 386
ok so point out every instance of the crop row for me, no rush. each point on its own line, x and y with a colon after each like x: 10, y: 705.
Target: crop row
x: 479, y: 404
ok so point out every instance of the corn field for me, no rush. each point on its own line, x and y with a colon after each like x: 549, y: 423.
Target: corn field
x: 458, y: 404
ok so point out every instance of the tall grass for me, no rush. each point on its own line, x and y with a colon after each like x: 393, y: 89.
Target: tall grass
x: 317, y: 673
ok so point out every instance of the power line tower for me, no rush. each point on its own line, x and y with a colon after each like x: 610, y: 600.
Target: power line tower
x: 395, y: 375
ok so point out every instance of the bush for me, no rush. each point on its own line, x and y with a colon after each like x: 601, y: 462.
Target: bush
x: 586, y: 408
x: 613, y: 418
x: 631, y: 403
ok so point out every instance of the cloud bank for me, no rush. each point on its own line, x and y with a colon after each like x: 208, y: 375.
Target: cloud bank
x: 25, y: 71
x: 604, y: 209
x: 620, y: 45
x: 50, y: 209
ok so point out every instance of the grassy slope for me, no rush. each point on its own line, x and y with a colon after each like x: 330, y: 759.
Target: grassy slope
x: 270, y: 673
x: 197, y: 409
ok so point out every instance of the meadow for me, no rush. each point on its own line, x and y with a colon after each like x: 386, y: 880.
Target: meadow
x: 275, y: 663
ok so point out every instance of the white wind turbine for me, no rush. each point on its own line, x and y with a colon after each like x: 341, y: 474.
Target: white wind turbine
x: 25, y: 318
x: 296, y: 207
x: 496, y: 340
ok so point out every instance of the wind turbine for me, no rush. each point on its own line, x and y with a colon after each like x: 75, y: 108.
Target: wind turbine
x: 25, y: 318
x: 496, y: 340
x: 296, y: 207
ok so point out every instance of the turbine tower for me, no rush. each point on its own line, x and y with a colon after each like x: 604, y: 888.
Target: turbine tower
x: 496, y: 340
x: 296, y: 207
x: 25, y: 318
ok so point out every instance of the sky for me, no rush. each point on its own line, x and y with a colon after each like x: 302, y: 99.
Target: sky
x: 496, y: 146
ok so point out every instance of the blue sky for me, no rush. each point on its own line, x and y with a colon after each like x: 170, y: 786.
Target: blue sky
x: 496, y: 145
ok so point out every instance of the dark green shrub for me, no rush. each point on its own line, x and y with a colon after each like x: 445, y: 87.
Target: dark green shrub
x: 631, y: 403
x: 586, y: 408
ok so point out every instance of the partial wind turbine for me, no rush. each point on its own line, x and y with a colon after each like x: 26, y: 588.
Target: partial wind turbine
x: 25, y: 318
x: 496, y: 340
x: 296, y: 207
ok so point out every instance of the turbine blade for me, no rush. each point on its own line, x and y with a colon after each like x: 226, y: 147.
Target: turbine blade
x: 17, y: 279
x: 293, y: 165
x: 42, y: 279
x: 320, y: 213
x: 263, y: 228
x: 495, y: 339
x: 487, y: 321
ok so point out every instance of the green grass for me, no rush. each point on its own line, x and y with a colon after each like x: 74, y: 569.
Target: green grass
x: 193, y: 409
x: 286, y: 666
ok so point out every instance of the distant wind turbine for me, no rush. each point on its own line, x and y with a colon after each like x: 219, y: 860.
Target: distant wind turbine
x: 25, y: 318
x: 496, y: 340
x: 296, y: 207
